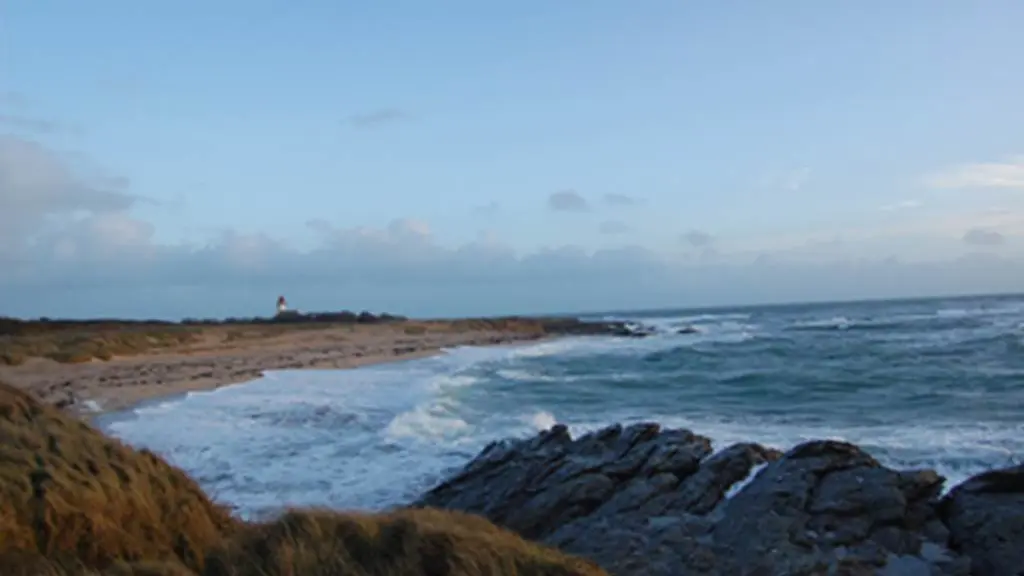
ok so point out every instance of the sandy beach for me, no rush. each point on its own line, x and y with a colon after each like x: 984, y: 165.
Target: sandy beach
x: 219, y: 356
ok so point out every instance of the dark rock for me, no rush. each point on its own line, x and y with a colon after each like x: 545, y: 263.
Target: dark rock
x: 645, y: 500
x: 537, y: 485
x: 626, y: 332
x: 578, y: 327
x: 688, y: 330
x: 985, y: 516
x: 631, y: 330
x: 621, y: 495
x: 825, y: 496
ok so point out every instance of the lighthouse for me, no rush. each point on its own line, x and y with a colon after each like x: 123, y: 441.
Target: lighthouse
x: 282, y: 305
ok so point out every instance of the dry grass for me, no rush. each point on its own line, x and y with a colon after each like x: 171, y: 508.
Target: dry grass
x: 406, y: 543
x: 80, y: 343
x: 75, y: 502
x: 66, y: 490
x: 75, y: 342
x: 73, y: 346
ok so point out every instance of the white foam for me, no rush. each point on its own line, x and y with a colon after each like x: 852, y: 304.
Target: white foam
x: 549, y: 348
x: 431, y: 422
x: 1008, y: 308
x: 837, y: 322
x: 542, y: 420
x: 363, y: 438
x: 704, y: 318
x: 955, y: 450
x: 520, y: 375
x: 739, y: 486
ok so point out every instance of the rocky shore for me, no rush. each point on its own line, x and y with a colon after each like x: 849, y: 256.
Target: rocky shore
x: 642, y: 500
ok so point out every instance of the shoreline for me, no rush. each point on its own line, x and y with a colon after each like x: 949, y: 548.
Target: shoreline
x: 105, y: 417
x: 99, y: 389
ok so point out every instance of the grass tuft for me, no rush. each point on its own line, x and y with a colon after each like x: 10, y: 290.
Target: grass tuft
x: 408, y: 542
x: 66, y: 490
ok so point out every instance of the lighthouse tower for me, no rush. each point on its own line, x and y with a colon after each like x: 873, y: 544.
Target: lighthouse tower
x: 282, y: 305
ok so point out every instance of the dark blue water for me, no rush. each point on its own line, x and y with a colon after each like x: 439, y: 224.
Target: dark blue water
x: 931, y: 383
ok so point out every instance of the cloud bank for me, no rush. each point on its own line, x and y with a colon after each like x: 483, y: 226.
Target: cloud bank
x: 1007, y: 174
x: 72, y: 245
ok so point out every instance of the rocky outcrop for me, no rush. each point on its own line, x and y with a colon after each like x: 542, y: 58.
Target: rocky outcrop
x: 985, y: 516
x: 652, y: 501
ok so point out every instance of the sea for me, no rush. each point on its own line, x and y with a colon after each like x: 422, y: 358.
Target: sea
x: 935, y: 383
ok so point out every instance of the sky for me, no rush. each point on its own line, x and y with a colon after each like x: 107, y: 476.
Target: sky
x: 183, y: 159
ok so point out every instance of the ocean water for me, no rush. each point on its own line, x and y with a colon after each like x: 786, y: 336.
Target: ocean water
x: 930, y: 383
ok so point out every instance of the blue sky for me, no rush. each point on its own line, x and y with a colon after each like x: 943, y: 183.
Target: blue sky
x: 666, y: 153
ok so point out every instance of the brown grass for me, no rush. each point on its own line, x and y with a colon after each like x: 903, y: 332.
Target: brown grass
x: 74, y: 342
x: 408, y: 543
x: 74, y: 346
x: 66, y: 490
x: 75, y: 502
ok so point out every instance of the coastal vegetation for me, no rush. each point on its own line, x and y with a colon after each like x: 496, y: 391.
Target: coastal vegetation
x: 81, y: 341
x: 74, y: 501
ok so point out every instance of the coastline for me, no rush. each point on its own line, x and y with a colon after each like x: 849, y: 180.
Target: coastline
x: 99, y: 388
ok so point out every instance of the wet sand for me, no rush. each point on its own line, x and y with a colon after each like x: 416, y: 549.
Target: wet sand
x: 106, y: 386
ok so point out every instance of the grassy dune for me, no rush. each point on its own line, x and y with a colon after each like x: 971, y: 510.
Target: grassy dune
x: 73, y: 501
x: 74, y: 347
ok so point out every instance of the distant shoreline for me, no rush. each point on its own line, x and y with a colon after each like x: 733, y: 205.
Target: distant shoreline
x: 74, y: 366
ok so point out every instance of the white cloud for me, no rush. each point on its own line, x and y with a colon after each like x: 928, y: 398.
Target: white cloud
x: 1007, y: 174
x: 38, y: 188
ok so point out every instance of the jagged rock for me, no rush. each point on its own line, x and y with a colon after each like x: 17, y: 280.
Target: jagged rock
x: 642, y: 500
x: 830, y: 502
x: 985, y: 516
x: 629, y: 498
x: 627, y: 332
x: 536, y: 486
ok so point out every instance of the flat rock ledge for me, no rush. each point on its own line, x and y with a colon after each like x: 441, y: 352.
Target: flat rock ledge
x: 642, y: 500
